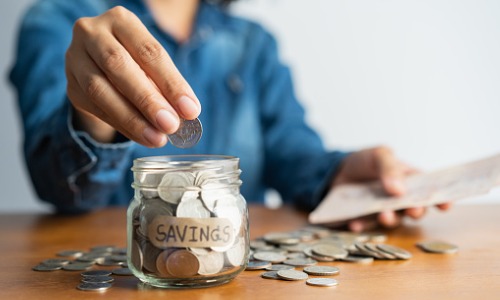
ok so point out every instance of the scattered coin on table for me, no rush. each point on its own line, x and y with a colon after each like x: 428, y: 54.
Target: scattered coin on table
x: 321, y: 270
x: 438, y: 247
x: 292, y: 275
x: 100, y: 286
x: 91, y: 279
x: 97, y: 279
x: 325, y: 282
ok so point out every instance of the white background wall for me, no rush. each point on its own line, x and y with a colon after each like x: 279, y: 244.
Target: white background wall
x: 422, y: 76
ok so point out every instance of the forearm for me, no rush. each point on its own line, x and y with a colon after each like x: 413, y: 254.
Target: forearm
x: 69, y: 169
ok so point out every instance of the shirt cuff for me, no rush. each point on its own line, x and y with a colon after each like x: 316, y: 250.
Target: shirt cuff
x: 334, y: 160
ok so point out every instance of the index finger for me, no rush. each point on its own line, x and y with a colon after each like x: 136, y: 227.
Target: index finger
x: 155, y: 61
x: 391, y: 171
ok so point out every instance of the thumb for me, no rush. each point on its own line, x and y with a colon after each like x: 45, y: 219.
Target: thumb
x: 390, y: 171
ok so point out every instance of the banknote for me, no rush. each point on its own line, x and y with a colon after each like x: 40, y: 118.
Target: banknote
x: 350, y: 201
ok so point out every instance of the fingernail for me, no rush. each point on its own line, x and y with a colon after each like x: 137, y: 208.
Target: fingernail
x: 356, y: 226
x: 155, y: 138
x: 387, y: 218
x: 396, y: 186
x: 167, y: 121
x: 188, y: 107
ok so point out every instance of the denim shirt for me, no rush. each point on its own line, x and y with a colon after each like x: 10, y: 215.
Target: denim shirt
x: 249, y: 110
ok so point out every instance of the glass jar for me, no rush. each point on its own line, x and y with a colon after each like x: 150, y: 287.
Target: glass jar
x: 187, y: 225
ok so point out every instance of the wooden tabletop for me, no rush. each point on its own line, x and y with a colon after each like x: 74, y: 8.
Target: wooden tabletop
x: 472, y: 273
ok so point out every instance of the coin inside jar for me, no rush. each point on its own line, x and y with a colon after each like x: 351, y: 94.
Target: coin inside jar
x: 182, y: 263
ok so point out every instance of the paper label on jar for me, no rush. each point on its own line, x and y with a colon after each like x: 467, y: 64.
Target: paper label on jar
x: 168, y: 231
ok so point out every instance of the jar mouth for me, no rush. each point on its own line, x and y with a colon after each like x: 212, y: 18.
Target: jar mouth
x: 194, y: 188
x: 180, y: 161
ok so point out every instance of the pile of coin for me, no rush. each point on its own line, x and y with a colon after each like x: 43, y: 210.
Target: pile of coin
x: 280, y: 253
x: 191, y: 223
x: 78, y: 260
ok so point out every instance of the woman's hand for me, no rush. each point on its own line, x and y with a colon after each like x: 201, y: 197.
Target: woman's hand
x: 379, y: 164
x: 121, y: 78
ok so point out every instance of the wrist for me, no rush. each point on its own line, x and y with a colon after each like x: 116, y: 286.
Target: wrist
x: 99, y: 130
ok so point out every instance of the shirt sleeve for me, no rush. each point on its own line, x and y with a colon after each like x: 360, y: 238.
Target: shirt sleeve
x: 68, y: 168
x: 296, y: 162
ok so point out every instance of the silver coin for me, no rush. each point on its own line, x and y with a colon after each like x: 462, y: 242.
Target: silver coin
x: 292, y: 275
x: 120, y: 251
x: 91, y: 258
x: 118, y: 258
x: 398, y: 252
x: 212, y: 192
x: 384, y: 254
x: 150, y: 254
x: 225, y: 208
x: 377, y: 237
x: 173, y: 184
x: 46, y: 268
x: 136, y: 258
x: 188, y: 134
x: 296, y: 255
x: 55, y: 262
x: 269, y: 256
x: 191, y: 207
x: 70, y: 253
x: 260, y: 245
x: 257, y: 265
x: 322, y: 282
x: 318, y: 231
x: 281, y: 238
x: 77, y: 267
x: 270, y: 275
x: 235, y: 256
x: 86, y: 286
x: 279, y: 267
x: 321, y: 270
x: 297, y: 248
x: 329, y: 250
x: 438, y: 247
x: 96, y: 273
x: 122, y: 272
x: 97, y: 279
x: 300, y: 262
x: 304, y: 236
x: 153, y: 208
x: 206, y: 175
x: 362, y: 249
x: 148, y: 182
x: 308, y: 252
x: 211, y: 263
x: 358, y: 259
x: 108, y: 262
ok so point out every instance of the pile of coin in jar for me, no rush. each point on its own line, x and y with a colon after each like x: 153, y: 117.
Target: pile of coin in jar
x: 189, y: 224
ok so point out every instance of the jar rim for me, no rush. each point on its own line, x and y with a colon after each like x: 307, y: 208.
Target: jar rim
x: 162, y: 161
